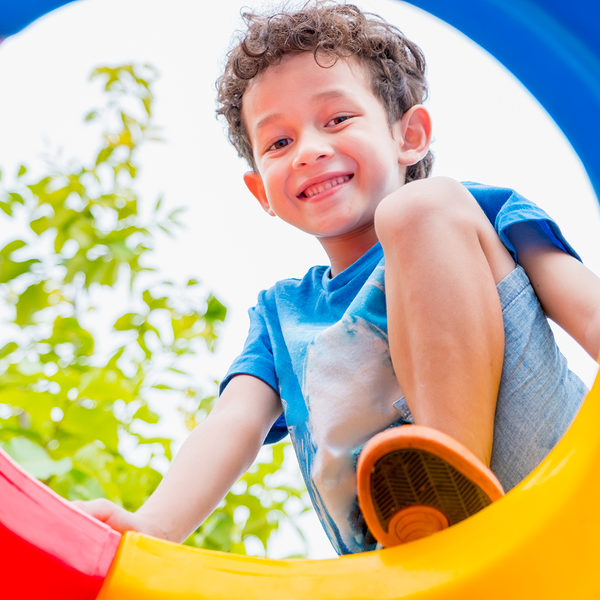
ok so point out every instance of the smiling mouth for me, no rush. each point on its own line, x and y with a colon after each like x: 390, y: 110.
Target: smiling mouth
x: 323, y: 186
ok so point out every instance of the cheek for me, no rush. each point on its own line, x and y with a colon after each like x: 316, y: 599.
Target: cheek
x: 274, y: 180
x: 372, y: 150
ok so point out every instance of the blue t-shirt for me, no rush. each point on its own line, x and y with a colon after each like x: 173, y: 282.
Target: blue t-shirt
x: 321, y: 344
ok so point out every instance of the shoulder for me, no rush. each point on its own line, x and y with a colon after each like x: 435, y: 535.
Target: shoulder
x: 506, y: 209
x: 493, y: 198
x: 503, y: 202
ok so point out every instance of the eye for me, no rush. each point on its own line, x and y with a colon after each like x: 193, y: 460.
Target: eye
x: 337, y: 120
x: 282, y: 143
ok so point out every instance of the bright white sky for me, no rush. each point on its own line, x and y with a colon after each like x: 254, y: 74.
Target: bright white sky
x: 487, y: 128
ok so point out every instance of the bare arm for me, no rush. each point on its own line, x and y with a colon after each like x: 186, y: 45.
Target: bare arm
x: 568, y: 291
x: 210, y: 461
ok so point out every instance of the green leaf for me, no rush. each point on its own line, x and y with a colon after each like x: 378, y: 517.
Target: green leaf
x: 54, y: 198
x: 40, y: 187
x: 155, y: 303
x: 143, y: 413
x: 12, y: 247
x: 8, y: 349
x: 35, y: 459
x: 111, y: 274
x: 77, y: 485
x: 22, y: 170
x: 37, y: 407
x: 93, y: 455
x: 147, y: 105
x: 67, y: 330
x: 10, y: 269
x: 128, y: 321
x: 106, y: 385
x: 39, y: 225
x: 104, y: 154
x: 16, y: 198
x: 163, y: 386
x: 6, y: 208
x: 173, y: 216
x: 215, y: 310
x: 30, y: 301
x: 219, y: 531
x: 95, y: 423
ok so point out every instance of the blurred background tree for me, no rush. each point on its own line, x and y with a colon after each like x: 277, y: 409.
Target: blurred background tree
x: 94, y: 342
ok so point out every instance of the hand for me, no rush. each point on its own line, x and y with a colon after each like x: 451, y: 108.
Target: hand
x: 117, y: 517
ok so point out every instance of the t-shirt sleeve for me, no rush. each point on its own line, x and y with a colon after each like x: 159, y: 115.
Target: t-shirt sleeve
x: 505, y: 207
x: 256, y: 359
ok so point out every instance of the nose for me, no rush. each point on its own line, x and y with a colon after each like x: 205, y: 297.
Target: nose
x: 310, y: 148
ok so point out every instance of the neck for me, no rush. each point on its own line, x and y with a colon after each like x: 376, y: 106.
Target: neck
x: 346, y: 250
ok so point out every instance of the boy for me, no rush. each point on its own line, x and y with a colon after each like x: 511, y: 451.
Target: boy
x: 422, y: 351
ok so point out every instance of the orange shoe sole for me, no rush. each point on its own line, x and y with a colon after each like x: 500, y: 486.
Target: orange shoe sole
x: 414, y: 481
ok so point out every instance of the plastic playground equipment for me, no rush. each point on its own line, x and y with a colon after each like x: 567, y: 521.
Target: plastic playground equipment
x: 539, y: 541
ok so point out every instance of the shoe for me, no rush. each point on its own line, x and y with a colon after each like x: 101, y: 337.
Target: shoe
x: 414, y: 481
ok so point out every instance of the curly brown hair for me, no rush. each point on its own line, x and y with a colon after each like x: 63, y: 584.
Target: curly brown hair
x: 396, y: 65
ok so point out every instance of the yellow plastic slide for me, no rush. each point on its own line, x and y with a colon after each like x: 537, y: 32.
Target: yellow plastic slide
x: 540, y: 541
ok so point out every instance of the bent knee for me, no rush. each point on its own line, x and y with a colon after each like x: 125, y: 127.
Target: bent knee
x: 417, y: 205
x: 433, y: 211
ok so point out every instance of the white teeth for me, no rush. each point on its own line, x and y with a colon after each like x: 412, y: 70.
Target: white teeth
x: 317, y: 188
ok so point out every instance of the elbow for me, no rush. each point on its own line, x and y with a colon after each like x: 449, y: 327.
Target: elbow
x: 592, y: 342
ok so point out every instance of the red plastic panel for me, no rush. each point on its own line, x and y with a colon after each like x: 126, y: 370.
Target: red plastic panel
x: 49, y: 549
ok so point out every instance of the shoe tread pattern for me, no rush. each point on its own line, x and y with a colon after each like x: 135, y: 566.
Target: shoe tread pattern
x: 410, y: 477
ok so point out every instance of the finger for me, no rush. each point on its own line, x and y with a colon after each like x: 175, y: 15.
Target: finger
x: 114, y: 516
x: 100, y: 508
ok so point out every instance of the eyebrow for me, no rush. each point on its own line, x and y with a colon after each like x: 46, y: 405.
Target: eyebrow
x: 266, y: 120
x: 326, y: 95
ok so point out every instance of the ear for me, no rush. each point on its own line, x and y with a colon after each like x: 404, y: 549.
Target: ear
x: 413, y: 133
x: 255, y: 184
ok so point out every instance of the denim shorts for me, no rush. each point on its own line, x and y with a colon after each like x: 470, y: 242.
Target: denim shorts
x: 539, y: 396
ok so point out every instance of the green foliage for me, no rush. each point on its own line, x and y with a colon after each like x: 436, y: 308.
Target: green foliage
x: 94, y: 341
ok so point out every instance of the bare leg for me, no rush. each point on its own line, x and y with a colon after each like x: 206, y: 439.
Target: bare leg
x: 443, y: 260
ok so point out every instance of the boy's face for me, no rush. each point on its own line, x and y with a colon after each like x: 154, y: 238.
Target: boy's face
x: 324, y: 150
